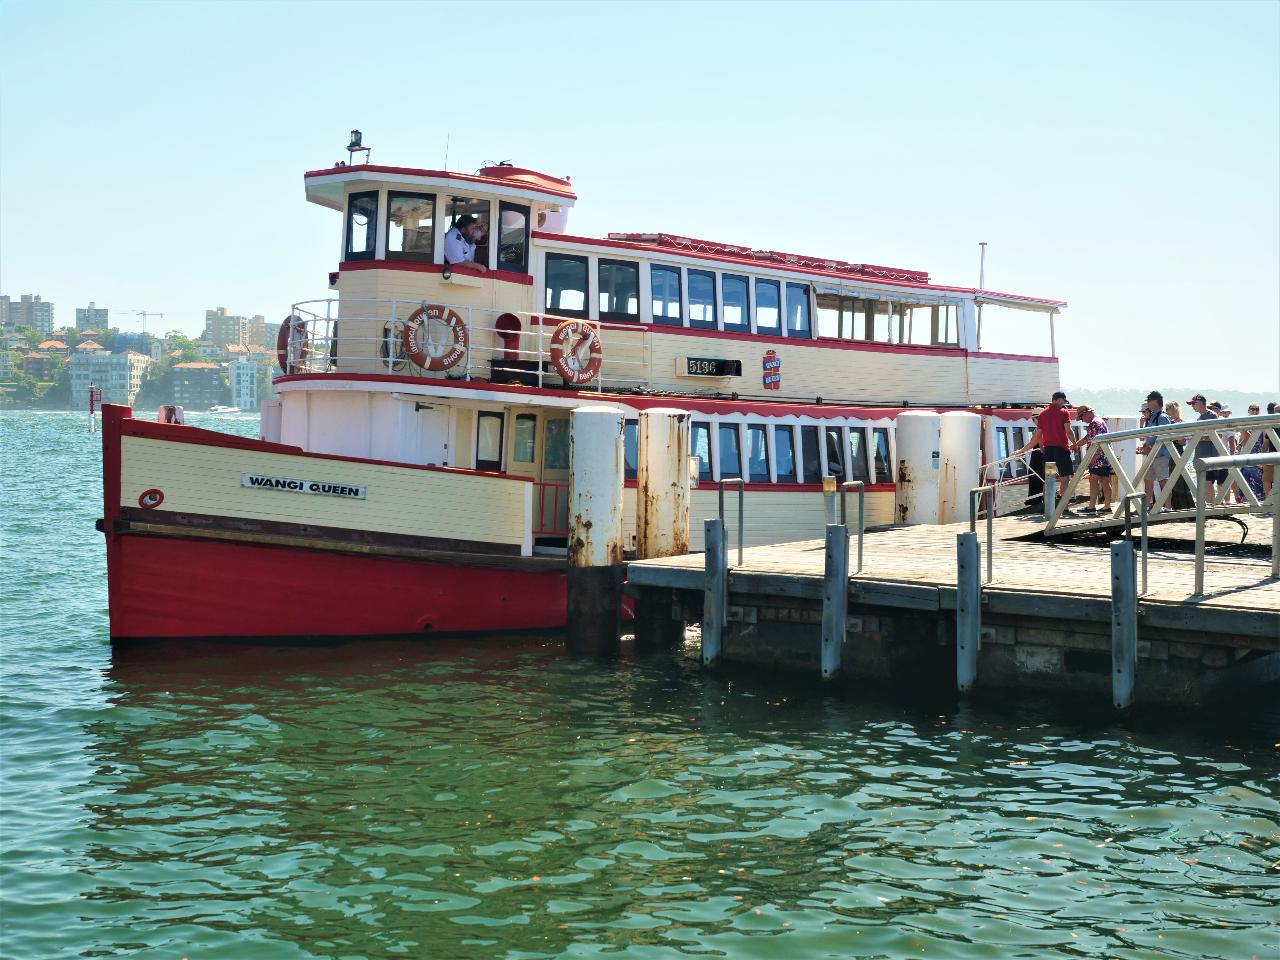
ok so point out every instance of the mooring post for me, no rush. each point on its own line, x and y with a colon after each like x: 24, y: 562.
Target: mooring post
x: 715, y: 594
x: 830, y: 488
x: 968, y: 608
x: 835, y: 598
x: 1050, y: 489
x: 1124, y: 622
x: 594, y: 591
x: 662, y: 515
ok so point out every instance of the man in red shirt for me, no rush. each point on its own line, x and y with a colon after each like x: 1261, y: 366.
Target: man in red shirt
x: 1055, y: 437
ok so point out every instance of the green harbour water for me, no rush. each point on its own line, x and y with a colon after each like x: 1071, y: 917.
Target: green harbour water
x: 491, y: 797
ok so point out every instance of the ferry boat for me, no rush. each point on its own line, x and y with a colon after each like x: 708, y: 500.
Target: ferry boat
x: 412, y: 474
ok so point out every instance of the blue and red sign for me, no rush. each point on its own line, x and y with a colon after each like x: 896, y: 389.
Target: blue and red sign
x: 772, y: 371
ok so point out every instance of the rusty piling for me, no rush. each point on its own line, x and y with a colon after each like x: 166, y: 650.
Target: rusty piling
x: 595, y: 531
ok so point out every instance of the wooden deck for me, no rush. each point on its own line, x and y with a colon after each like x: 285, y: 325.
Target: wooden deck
x: 915, y: 568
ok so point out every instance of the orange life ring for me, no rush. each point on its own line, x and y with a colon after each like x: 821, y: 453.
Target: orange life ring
x: 292, y: 325
x: 576, y: 352
x: 419, y: 346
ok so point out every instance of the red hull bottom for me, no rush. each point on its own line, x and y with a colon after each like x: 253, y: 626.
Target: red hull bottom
x: 162, y: 587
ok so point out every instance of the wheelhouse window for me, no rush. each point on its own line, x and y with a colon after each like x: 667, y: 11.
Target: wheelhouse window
x: 835, y: 452
x: 810, y: 456
x: 619, y: 290
x: 630, y: 448
x: 700, y: 444
x: 489, y: 441
x: 884, y: 468
x: 525, y: 439
x: 798, y: 321
x: 757, y: 454
x: 410, y: 217
x: 768, y: 310
x: 566, y: 285
x: 858, y: 454
x: 665, y: 285
x: 513, y: 237
x: 730, y: 460
x: 480, y: 209
x: 737, y: 302
x: 362, y: 226
x: 702, y: 299
x: 784, y: 454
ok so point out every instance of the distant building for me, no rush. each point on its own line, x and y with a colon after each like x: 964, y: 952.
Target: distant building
x: 198, y: 386
x: 244, y: 383
x: 92, y: 318
x: 210, y: 350
x: 53, y: 346
x: 118, y: 374
x: 225, y: 329
x: 28, y: 310
x: 6, y: 365
x: 39, y: 365
x: 141, y: 342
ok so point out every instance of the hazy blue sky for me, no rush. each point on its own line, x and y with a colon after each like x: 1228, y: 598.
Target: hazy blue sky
x: 1123, y: 157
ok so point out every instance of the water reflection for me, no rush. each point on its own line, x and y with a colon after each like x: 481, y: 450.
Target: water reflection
x: 454, y: 800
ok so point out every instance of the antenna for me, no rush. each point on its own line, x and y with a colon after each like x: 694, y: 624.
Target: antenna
x: 982, y: 266
x: 446, y: 149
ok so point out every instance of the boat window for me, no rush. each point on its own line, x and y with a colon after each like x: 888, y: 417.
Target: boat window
x: 730, y: 461
x: 858, y: 454
x: 798, y: 324
x: 362, y: 224
x: 630, y: 448
x: 810, y: 455
x: 840, y: 317
x: 619, y: 290
x: 1002, y: 451
x: 513, y: 237
x: 737, y: 302
x: 878, y: 321
x: 665, y: 282
x: 526, y: 433
x: 409, y: 220
x: 700, y: 444
x: 835, y: 453
x: 784, y: 454
x: 566, y: 285
x: 489, y: 441
x: 555, y: 447
x: 829, y: 314
x: 884, y: 469
x: 757, y: 454
x: 768, y: 307
x: 464, y: 206
x: 1017, y: 439
x: 702, y: 299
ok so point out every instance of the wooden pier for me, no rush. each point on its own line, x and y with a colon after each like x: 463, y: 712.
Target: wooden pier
x: 1052, y: 616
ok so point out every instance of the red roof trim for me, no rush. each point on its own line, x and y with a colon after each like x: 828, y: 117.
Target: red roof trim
x: 786, y: 268
x: 412, y: 266
x: 548, y: 187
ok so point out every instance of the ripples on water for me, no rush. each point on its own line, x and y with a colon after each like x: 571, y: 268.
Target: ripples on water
x: 497, y: 799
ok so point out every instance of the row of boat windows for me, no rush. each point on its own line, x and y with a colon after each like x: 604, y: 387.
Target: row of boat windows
x: 1009, y: 439
x: 779, y: 308
x: 765, y: 453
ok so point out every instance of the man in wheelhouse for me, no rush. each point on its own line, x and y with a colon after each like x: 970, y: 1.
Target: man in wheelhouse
x: 460, y: 244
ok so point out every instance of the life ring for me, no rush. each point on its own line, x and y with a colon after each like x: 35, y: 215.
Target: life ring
x: 576, y: 352
x: 293, y: 328
x: 428, y: 353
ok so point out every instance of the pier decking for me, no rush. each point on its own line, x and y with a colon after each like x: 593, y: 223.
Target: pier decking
x: 1046, y: 613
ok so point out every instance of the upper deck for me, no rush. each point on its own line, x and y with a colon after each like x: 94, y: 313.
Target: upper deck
x: 672, y: 313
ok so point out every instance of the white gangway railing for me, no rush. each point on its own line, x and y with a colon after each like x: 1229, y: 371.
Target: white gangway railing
x: 1233, y: 496
x: 515, y: 343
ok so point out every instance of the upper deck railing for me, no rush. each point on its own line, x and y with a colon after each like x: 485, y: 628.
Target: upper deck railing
x: 355, y: 335
x: 1180, y: 440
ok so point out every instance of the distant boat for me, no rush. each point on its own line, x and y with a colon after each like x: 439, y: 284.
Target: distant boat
x: 219, y: 408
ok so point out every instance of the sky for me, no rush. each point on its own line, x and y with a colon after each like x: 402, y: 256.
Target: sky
x: 1122, y: 157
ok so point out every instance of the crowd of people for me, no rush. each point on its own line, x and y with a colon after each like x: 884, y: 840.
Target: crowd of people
x: 1054, y: 442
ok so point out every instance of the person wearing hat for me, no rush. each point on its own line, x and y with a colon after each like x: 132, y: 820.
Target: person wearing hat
x: 1158, y: 472
x: 1205, y: 448
x: 1054, y: 425
x: 1101, y: 476
x: 460, y: 244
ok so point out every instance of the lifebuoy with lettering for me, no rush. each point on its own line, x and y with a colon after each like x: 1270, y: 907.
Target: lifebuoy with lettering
x: 293, y: 329
x: 427, y: 351
x: 576, y: 351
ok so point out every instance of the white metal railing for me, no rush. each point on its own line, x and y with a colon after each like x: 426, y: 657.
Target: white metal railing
x: 1203, y: 468
x: 1180, y: 441
x: 318, y: 343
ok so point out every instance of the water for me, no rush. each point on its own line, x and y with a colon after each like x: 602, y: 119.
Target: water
x: 496, y: 799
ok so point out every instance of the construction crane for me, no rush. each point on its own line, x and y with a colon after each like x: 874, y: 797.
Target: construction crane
x: 144, y: 314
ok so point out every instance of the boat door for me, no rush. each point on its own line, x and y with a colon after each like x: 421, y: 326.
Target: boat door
x: 554, y: 490
x: 431, y: 435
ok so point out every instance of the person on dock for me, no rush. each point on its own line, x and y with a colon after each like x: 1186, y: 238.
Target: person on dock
x: 460, y: 244
x: 1101, y: 476
x: 1182, y: 498
x: 1054, y: 425
x: 1035, y: 463
x: 1205, y: 448
x: 1158, y: 472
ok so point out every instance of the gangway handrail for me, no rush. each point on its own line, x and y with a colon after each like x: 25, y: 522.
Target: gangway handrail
x: 861, y: 487
x: 1128, y: 530
x: 975, y: 497
x: 742, y: 489
x: 1203, y: 466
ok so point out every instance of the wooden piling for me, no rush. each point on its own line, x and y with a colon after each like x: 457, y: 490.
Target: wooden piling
x: 968, y: 609
x: 715, y: 597
x: 1124, y: 622
x: 835, y: 598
